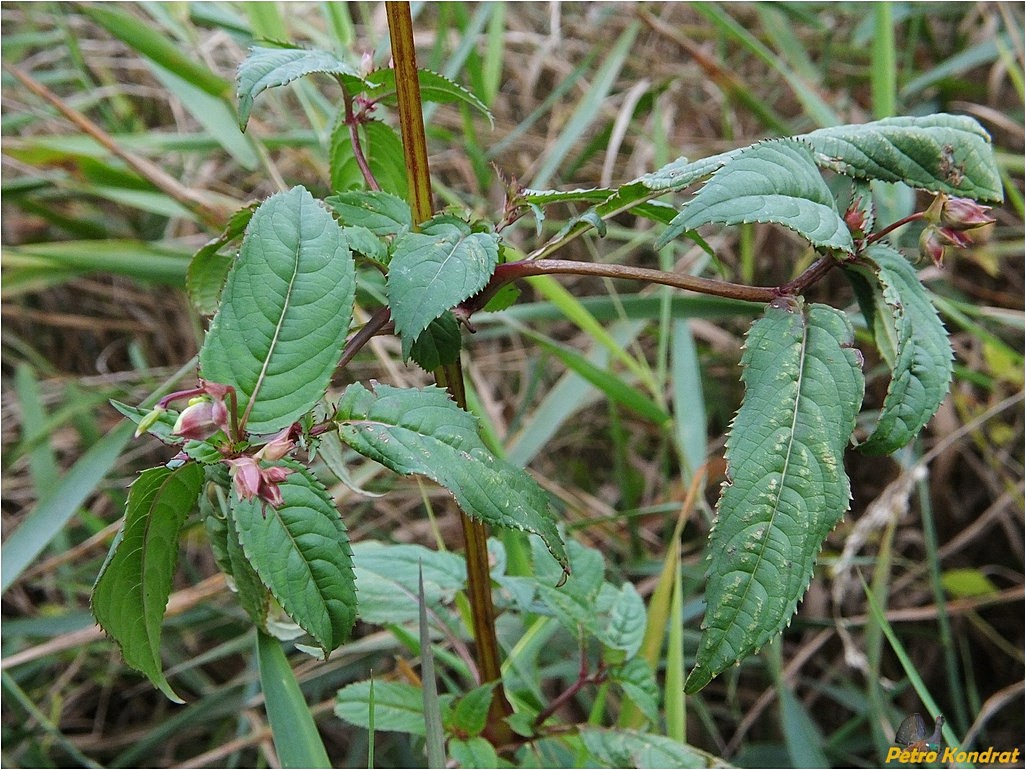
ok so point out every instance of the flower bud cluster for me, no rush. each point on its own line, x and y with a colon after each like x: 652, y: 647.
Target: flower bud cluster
x: 253, y: 482
x: 948, y: 223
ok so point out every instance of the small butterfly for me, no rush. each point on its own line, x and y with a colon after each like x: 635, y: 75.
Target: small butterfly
x: 912, y: 734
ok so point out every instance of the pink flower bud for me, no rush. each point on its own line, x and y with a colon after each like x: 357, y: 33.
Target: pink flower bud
x: 246, y: 476
x: 955, y: 238
x: 196, y: 421
x: 855, y: 218
x: 964, y: 214
x: 279, y: 446
x: 271, y: 495
x: 275, y: 474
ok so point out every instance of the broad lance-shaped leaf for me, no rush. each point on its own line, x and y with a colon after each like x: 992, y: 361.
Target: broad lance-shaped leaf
x: 269, y: 67
x: 911, y: 338
x: 786, y: 486
x: 131, y: 592
x: 285, y: 312
x: 424, y: 432
x: 436, y: 269
x: 940, y: 153
x: 301, y: 552
x: 776, y: 182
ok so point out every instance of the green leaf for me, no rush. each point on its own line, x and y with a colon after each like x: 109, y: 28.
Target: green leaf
x: 626, y: 626
x: 398, y: 707
x: 134, y: 584
x: 436, y: 269
x: 940, y: 153
x: 270, y: 67
x: 438, y: 345
x: 776, y: 182
x: 473, y: 752
x: 911, y: 338
x: 424, y: 432
x: 224, y: 543
x: 633, y: 748
x: 383, y: 150
x: 285, y: 312
x: 296, y: 738
x: 469, y: 714
x: 380, y: 212
x: 433, y: 88
x: 301, y: 553
x: 208, y: 269
x: 786, y: 486
x: 637, y: 680
x: 388, y: 576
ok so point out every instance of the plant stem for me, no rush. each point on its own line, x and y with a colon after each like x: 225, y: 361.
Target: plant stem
x: 479, y: 581
x: 354, y: 137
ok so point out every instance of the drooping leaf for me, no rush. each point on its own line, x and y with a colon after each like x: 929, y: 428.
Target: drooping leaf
x: 436, y: 269
x: 301, y: 552
x: 270, y: 67
x: 285, y: 312
x: 224, y: 542
x: 433, y: 88
x: 786, y: 486
x: 911, y: 338
x: 380, y: 212
x: 940, y: 153
x: 439, y: 344
x: 134, y: 584
x: 633, y: 748
x: 397, y: 706
x: 208, y: 269
x: 382, y: 149
x: 424, y: 432
x: 776, y: 182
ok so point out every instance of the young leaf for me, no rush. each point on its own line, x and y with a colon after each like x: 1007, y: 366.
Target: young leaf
x: 469, y: 714
x: 380, y: 212
x: 433, y: 88
x: 786, y: 486
x: 940, y: 153
x: 424, y: 432
x: 912, y: 340
x: 775, y: 181
x: 301, y: 552
x: 436, y: 269
x: 208, y: 268
x: 383, y: 150
x: 637, y: 680
x: 134, y: 584
x: 626, y: 625
x: 270, y: 67
x: 285, y: 312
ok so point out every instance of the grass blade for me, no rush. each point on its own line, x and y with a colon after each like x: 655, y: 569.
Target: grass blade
x: 295, y: 735
x: 883, y: 73
x: 434, y: 735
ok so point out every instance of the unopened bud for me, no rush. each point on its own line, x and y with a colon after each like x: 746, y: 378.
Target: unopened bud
x: 246, y: 476
x: 964, y: 214
x: 279, y: 446
x: 932, y: 246
x: 196, y: 421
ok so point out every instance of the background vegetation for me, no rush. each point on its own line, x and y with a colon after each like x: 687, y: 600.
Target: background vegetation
x: 94, y: 266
